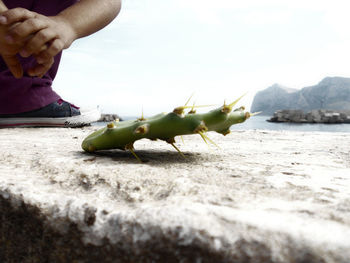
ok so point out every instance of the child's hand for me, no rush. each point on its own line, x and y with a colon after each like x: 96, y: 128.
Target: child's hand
x: 9, y: 51
x: 44, y: 37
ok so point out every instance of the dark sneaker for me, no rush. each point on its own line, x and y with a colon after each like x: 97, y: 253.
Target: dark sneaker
x: 57, y: 114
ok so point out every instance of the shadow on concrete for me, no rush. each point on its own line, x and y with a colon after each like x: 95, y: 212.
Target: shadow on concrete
x: 150, y: 157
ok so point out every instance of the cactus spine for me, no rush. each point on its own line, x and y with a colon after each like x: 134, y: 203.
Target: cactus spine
x: 122, y: 135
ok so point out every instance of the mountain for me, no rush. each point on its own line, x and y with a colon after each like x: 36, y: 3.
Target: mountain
x: 332, y: 93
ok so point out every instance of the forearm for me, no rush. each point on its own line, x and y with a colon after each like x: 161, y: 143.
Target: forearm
x: 88, y: 16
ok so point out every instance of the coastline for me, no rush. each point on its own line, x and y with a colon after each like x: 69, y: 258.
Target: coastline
x: 277, y: 196
x: 314, y: 116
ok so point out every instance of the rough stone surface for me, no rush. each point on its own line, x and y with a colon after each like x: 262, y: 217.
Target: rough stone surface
x: 262, y: 197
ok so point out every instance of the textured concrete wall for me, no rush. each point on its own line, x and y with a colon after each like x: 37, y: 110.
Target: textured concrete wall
x: 262, y: 197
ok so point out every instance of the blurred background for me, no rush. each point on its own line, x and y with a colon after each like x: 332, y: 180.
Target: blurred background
x: 158, y: 52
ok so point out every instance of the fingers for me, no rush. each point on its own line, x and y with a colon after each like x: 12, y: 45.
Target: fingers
x: 3, y: 7
x: 30, y: 32
x: 34, y: 34
x: 22, y: 32
x: 14, y: 65
x: 53, y: 49
x: 45, y: 58
x: 40, y: 69
x: 38, y: 41
x: 15, y: 15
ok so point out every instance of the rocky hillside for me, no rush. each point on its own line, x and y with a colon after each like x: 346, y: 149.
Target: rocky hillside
x: 332, y: 93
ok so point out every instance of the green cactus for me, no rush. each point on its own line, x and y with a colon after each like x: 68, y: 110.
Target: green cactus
x: 122, y: 135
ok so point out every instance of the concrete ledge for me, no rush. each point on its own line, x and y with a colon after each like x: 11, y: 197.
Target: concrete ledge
x: 263, y: 197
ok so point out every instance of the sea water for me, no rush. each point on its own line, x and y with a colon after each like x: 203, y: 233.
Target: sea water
x: 261, y: 123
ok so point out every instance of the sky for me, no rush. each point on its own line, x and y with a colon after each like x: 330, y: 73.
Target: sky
x: 157, y: 53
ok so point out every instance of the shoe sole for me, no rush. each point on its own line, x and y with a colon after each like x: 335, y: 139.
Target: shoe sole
x: 86, y: 118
